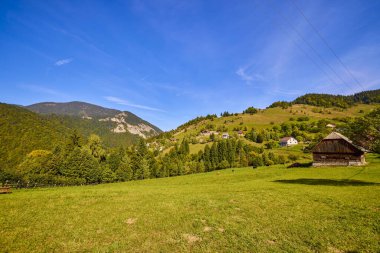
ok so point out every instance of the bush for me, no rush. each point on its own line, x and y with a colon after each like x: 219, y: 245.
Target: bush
x: 281, y: 159
x: 271, y: 144
x: 292, y: 157
x: 303, y: 118
x: 250, y: 110
x: 224, y: 164
x: 257, y: 161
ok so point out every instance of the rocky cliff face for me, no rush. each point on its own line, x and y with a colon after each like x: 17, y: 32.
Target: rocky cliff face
x: 122, y: 126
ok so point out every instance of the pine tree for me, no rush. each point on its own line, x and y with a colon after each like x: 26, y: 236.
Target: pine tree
x: 222, y: 151
x: 124, y: 172
x: 214, y: 156
x: 95, y: 145
x: 107, y: 175
x: 144, y: 167
x: 207, y: 158
x: 243, y: 159
x: 74, y: 141
x: 114, y: 159
x: 231, y: 152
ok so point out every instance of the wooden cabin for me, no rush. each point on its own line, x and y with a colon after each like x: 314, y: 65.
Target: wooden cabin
x: 337, y: 149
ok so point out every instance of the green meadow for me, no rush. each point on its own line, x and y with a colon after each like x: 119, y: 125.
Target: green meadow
x: 265, y: 118
x: 268, y: 209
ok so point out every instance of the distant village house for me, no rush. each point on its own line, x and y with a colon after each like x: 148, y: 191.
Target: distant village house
x: 225, y: 136
x: 240, y: 133
x: 288, y: 141
x: 208, y: 133
x: 337, y: 149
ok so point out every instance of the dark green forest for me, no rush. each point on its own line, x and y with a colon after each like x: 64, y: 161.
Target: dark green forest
x: 327, y: 100
x: 22, y: 131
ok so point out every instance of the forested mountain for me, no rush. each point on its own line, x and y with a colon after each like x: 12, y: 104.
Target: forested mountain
x: 121, y: 121
x: 23, y: 131
x: 327, y: 100
x: 79, y: 109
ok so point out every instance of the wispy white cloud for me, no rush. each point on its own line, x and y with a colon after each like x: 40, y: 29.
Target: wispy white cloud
x: 121, y: 101
x: 241, y: 73
x: 248, y: 77
x: 63, y: 62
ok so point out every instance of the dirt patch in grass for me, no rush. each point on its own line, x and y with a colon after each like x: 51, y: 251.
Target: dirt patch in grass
x: 191, y: 238
x: 207, y: 229
x: 131, y: 221
x: 334, y: 250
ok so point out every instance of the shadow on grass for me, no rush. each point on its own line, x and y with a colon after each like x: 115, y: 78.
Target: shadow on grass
x: 300, y: 165
x: 329, y: 182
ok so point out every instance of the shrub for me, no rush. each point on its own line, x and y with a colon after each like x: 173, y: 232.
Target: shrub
x: 250, y: 110
x: 292, y: 157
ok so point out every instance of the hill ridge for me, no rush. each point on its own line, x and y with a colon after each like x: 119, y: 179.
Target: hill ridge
x: 92, y: 111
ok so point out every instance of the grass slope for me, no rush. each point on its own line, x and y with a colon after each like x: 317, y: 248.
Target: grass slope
x: 267, y: 118
x: 277, y: 115
x: 270, y: 209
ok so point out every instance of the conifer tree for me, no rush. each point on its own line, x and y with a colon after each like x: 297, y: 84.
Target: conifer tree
x: 207, y: 158
x: 96, y: 147
x: 124, y: 171
x: 214, y: 156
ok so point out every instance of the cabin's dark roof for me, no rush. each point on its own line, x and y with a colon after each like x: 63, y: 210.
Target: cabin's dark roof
x: 334, y: 143
x: 285, y: 139
x: 336, y: 136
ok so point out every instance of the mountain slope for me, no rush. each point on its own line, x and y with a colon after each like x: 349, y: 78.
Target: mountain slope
x: 120, y: 121
x: 86, y: 127
x: 79, y: 109
x: 22, y: 131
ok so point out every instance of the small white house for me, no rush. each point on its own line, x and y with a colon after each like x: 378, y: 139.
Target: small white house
x: 288, y: 141
x: 225, y: 136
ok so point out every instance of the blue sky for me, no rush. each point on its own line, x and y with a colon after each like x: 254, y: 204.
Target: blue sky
x: 170, y: 61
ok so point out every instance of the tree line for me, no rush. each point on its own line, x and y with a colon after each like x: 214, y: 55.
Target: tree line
x: 327, y: 100
x: 79, y: 162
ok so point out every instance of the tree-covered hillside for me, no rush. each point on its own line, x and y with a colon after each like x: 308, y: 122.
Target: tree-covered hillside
x: 22, y: 131
x: 86, y: 127
x: 327, y: 100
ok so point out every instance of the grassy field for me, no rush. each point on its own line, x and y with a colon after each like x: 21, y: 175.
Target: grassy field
x: 269, y: 209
